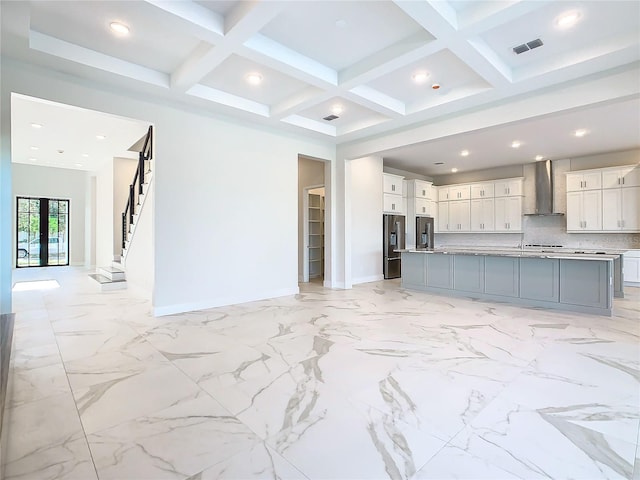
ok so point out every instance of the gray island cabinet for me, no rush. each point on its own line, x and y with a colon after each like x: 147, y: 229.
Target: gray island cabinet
x: 582, y: 283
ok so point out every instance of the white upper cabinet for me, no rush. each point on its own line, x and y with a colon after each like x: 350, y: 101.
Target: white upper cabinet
x: 621, y: 209
x: 392, y: 204
x: 621, y: 177
x: 508, y: 212
x: 604, y: 200
x: 508, y: 188
x: 482, y: 215
x: 584, y: 211
x: 392, y: 184
x: 454, y: 192
x: 482, y: 190
x: 392, y: 199
x: 420, y: 189
x: 584, y: 180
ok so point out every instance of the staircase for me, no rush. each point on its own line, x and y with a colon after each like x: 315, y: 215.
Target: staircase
x: 110, y: 278
x: 113, y: 276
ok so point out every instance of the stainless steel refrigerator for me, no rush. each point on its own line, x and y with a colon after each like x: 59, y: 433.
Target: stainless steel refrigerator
x: 393, y: 226
x: 424, y: 232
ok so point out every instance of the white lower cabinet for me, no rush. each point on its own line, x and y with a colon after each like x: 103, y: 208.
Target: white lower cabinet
x: 621, y: 209
x: 584, y: 211
x: 631, y: 270
x: 482, y: 215
x: 508, y: 212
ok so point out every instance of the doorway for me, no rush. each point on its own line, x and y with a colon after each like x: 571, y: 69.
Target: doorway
x: 314, y: 234
x: 42, y: 232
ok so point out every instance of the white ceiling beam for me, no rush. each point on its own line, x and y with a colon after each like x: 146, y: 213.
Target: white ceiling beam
x: 489, y: 15
x: 84, y: 56
x: 206, y: 24
x: 390, y: 59
x: 435, y: 17
x: 299, y: 102
x: 377, y: 101
x: 302, y: 67
x: 224, y: 98
x: 309, y: 124
x: 245, y: 20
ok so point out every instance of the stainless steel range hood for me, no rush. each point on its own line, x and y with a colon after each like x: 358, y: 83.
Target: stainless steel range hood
x: 544, y: 189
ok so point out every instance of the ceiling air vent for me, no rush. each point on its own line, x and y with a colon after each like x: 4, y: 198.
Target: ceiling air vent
x: 525, y: 47
x: 330, y: 117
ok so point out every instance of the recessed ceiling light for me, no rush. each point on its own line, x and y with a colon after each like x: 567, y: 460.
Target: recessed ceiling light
x: 454, y: 170
x: 337, y: 109
x: 341, y: 23
x: 420, y: 77
x: 254, y: 78
x: 435, y: 86
x: 85, y: 155
x: 539, y: 157
x: 78, y: 164
x: 568, y: 19
x: 515, y: 144
x: 33, y: 159
x: 119, y: 28
x: 581, y: 132
x: 35, y: 148
x: 100, y: 137
x: 464, y: 153
x: 36, y: 125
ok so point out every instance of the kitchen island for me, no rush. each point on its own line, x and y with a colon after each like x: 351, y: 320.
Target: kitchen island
x: 582, y: 282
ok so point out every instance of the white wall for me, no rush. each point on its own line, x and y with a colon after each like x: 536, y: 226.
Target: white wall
x: 225, y: 214
x: 139, y: 263
x: 366, y: 219
x: 104, y: 215
x: 123, y: 171
x: 310, y: 173
x: 66, y: 184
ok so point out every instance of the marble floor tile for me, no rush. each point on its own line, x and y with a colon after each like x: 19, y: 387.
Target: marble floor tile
x: 373, y: 382
x: 543, y: 443
x: 177, y: 442
x: 260, y: 462
x: 37, y: 426
x: 70, y: 460
x: 455, y: 463
x: 105, y: 404
x: 31, y: 384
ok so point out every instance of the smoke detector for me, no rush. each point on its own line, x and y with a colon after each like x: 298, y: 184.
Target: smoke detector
x: 525, y: 47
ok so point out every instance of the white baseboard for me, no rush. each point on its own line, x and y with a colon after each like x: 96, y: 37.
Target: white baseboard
x: 222, y: 302
x: 368, y: 279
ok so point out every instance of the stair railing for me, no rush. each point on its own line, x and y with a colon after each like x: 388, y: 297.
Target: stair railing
x: 145, y: 155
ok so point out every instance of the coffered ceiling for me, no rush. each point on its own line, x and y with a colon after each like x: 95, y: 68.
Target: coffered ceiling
x: 373, y: 64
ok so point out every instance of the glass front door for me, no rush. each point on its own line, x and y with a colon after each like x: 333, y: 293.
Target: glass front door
x: 43, y: 232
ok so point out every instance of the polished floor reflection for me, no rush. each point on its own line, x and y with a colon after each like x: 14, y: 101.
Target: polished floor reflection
x: 369, y: 383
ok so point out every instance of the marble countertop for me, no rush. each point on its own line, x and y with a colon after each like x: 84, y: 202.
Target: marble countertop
x: 559, y: 253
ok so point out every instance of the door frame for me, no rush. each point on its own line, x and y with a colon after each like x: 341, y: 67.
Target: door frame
x: 44, y: 246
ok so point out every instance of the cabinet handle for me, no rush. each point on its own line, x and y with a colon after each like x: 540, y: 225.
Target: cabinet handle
x: 623, y: 180
x: 423, y: 210
x: 618, y: 180
x: 393, y: 206
x: 424, y: 193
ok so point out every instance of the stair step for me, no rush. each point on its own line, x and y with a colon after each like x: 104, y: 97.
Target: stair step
x: 112, y: 273
x: 106, y: 284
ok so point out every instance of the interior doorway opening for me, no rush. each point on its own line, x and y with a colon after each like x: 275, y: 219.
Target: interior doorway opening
x: 314, y: 234
x: 314, y: 220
